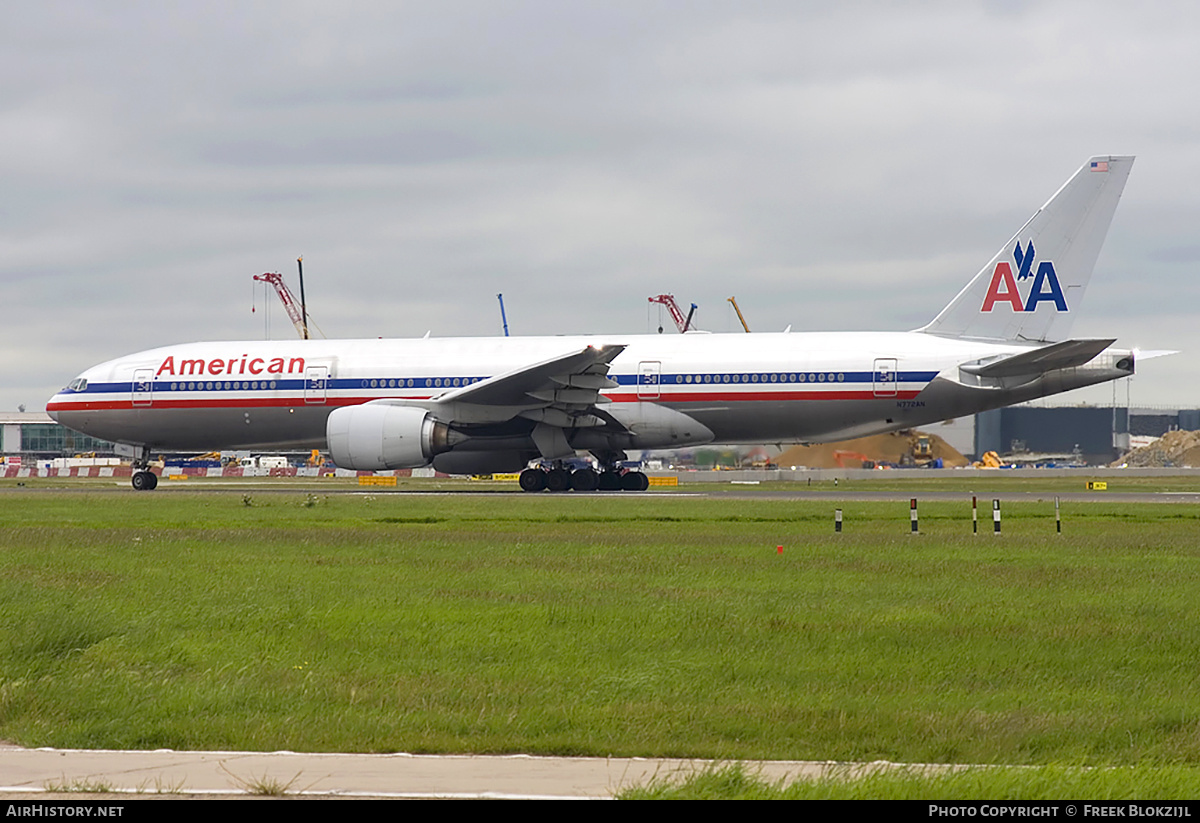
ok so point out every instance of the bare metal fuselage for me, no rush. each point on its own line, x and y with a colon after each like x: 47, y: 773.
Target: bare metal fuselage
x: 760, y: 388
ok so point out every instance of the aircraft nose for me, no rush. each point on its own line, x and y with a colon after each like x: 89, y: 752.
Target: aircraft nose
x: 71, y: 418
x: 57, y: 408
x: 52, y: 407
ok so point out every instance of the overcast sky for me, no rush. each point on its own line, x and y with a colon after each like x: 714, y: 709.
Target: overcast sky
x: 836, y: 166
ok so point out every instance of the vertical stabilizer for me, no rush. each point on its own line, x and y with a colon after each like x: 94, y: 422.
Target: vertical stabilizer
x: 1032, y: 288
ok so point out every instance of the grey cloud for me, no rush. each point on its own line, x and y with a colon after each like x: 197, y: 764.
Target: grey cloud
x: 834, y: 165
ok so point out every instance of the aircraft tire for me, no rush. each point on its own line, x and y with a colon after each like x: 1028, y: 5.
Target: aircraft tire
x: 584, y: 480
x: 142, y: 481
x: 634, y: 482
x: 153, y: 480
x: 609, y: 481
x: 558, y: 480
x: 532, y: 480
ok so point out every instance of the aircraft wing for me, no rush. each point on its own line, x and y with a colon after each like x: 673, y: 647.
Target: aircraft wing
x: 562, y: 391
x: 1062, y: 355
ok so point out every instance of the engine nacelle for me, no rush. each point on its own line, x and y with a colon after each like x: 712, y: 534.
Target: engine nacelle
x: 380, y: 436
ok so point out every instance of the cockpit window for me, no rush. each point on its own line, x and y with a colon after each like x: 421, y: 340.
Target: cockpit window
x: 78, y: 384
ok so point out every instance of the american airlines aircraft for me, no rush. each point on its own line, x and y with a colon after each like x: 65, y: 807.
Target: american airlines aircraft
x: 476, y: 405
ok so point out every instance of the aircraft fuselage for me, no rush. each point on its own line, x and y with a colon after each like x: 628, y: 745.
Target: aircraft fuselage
x: 808, y: 387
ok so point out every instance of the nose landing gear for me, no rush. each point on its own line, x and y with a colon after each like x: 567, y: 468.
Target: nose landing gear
x: 143, y: 479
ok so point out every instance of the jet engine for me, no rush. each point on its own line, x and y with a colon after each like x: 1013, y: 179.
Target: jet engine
x: 380, y: 436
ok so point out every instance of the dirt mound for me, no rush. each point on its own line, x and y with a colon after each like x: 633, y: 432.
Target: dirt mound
x: 881, y: 448
x: 1177, y: 448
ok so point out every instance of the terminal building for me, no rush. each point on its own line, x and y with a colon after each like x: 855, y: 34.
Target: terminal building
x: 34, y: 436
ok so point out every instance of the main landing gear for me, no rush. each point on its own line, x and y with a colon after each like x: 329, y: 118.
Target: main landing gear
x: 561, y: 479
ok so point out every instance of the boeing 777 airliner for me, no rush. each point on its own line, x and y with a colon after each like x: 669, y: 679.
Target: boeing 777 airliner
x: 475, y: 405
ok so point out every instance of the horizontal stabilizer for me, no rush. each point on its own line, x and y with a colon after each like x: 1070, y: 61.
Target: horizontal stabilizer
x: 1150, y: 354
x: 1062, y: 355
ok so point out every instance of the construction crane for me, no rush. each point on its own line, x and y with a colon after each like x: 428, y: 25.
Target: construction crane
x: 503, y: 316
x: 287, y: 298
x: 739, y: 314
x: 681, y: 323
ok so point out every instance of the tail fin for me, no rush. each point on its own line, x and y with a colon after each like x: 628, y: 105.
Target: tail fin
x: 1033, y: 286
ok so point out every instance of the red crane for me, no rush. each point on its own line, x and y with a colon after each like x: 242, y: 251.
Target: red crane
x: 681, y: 323
x: 287, y: 298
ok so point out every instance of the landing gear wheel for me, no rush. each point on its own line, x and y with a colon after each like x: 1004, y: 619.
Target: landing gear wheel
x: 609, y: 481
x: 634, y: 482
x: 153, y: 480
x: 143, y: 481
x: 532, y: 480
x: 558, y: 480
x: 584, y: 480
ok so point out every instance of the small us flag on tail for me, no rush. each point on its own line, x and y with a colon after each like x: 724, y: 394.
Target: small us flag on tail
x: 1099, y: 165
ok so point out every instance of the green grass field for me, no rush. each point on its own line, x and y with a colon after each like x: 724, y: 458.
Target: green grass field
x: 661, y: 625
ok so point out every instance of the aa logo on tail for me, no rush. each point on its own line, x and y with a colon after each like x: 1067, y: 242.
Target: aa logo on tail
x: 1003, y: 288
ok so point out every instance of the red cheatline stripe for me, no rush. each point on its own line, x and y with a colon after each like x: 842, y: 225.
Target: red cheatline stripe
x: 210, y: 403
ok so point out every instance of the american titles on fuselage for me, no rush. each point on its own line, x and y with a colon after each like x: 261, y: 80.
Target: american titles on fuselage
x: 229, y: 366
